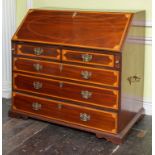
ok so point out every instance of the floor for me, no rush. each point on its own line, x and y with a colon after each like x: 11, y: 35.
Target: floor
x: 32, y: 137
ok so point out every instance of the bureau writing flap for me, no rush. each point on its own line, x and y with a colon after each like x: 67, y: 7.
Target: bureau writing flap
x: 96, y: 30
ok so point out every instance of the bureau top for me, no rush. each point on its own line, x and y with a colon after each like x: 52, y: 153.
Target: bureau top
x: 96, y: 30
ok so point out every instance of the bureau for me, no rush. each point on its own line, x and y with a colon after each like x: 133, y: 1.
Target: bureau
x: 81, y: 69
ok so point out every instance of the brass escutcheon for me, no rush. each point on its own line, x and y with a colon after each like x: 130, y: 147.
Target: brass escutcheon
x: 59, y: 106
x: 61, y: 67
x: 116, y: 61
x: 61, y: 84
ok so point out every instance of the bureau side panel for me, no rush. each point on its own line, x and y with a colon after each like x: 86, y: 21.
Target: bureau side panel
x: 132, y: 74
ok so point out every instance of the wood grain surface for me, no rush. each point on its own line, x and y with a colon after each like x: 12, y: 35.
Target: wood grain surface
x: 99, y: 120
x: 67, y: 71
x: 97, y: 59
x: 48, y: 52
x: 65, y: 90
x: 100, y: 30
x: 79, y: 58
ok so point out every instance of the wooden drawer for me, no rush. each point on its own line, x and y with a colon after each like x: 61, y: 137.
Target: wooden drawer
x: 91, y: 75
x: 76, y: 92
x: 107, y: 60
x: 72, y: 114
x: 38, y: 51
x: 36, y: 66
x: 78, y: 73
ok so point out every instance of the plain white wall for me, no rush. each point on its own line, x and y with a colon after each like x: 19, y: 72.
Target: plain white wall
x: 8, y: 28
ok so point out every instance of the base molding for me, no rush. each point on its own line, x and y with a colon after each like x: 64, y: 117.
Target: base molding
x: 117, y: 138
x: 147, y: 107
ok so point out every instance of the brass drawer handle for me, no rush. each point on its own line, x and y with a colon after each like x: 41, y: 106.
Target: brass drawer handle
x: 86, y: 57
x: 86, y: 74
x: 38, y: 51
x: 36, y: 106
x: 84, y: 117
x: 37, y: 85
x: 86, y: 94
x: 37, y: 67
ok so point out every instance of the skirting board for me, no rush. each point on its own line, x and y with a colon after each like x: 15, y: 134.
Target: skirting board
x: 6, y: 89
x: 148, y: 107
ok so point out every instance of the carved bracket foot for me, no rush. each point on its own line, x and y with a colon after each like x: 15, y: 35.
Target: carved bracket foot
x: 114, y: 139
x: 118, y: 138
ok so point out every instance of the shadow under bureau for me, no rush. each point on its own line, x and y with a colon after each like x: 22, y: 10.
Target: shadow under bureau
x: 79, y: 69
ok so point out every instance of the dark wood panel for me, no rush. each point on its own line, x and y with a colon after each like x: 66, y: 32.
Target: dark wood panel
x: 79, y: 73
x: 38, y: 51
x: 101, y: 30
x: 86, y: 94
x: 36, y: 66
x: 91, y: 75
x: 95, y: 119
x: 88, y: 57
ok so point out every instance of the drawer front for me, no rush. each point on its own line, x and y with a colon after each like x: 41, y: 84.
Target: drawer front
x: 74, y: 114
x: 78, y: 73
x: 107, y: 60
x: 91, y: 75
x: 38, y: 51
x: 76, y: 92
x: 36, y: 66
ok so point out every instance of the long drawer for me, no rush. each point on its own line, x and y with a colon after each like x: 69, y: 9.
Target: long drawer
x: 88, y: 57
x: 66, y: 90
x: 68, y: 113
x: 73, y: 72
x: 38, y: 51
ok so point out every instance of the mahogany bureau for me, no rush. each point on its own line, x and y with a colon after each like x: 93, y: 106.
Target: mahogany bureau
x: 80, y: 69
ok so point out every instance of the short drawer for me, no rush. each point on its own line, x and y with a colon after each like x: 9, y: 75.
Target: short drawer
x: 37, y: 51
x: 66, y: 90
x: 64, y: 112
x: 73, y: 72
x: 107, y: 60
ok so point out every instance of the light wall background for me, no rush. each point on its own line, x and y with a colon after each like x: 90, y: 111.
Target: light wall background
x: 23, y: 5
